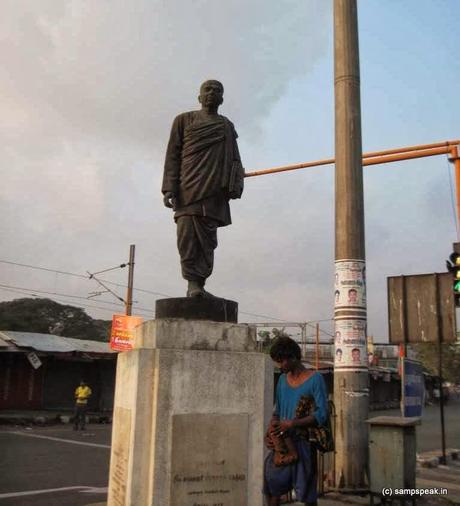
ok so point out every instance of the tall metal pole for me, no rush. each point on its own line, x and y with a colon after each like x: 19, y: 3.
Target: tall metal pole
x: 351, y: 389
x: 440, y: 372
x: 129, y: 294
x: 304, y: 339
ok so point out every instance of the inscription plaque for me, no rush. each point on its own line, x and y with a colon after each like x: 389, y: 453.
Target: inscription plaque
x: 209, y: 461
x: 120, y: 457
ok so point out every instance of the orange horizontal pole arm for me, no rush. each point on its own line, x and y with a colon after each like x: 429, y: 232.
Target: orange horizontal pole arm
x: 406, y: 156
x: 372, y: 158
x: 406, y: 149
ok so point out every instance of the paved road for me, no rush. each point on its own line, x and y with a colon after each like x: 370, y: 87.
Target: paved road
x: 72, y: 466
x: 429, y: 432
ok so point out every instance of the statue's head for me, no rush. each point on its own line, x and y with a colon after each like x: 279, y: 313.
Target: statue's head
x: 211, y: 93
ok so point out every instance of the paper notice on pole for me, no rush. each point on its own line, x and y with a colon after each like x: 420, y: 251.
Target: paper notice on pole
x: 34, y: 360
x: 122, y: 335
x: 350, y: 343
x: 350, y: 284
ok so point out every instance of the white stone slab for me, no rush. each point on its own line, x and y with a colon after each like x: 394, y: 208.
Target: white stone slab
x: 209, y: 460
x: 181, y: 334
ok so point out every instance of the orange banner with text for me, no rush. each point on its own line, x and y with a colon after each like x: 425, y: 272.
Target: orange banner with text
x: 122, y: 335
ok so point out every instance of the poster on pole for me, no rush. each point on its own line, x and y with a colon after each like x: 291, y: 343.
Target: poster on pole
x: 350, y: 284
x: 122, y: 334
x: 34, y: 360
x: 413, y: 388
x: 350, y: 344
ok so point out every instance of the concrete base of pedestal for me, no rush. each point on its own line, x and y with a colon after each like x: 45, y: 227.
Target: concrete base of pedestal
x: 192, y: 402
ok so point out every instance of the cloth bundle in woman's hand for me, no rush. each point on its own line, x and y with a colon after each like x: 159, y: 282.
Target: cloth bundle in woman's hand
x: 284, y: 449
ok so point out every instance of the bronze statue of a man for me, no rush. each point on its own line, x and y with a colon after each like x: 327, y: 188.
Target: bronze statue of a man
x: 202, y: 173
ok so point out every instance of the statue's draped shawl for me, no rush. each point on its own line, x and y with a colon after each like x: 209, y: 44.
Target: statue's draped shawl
x: 199, y: 157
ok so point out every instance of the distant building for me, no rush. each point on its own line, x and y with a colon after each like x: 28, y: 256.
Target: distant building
x: 41, y: 371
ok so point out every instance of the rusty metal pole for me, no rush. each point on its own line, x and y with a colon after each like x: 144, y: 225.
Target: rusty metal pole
x: 351, y: 389
x: 129, y: 294
x: 303, y: 328
x: 317, y: 347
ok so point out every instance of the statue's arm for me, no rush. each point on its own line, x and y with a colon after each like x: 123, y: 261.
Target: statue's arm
x: 171, y: 175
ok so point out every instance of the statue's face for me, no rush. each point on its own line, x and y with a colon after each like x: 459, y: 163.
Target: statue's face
x: 211, y: 94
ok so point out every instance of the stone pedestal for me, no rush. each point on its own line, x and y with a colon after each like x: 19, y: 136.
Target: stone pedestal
x: 197, y: 308
x: 192, y: 401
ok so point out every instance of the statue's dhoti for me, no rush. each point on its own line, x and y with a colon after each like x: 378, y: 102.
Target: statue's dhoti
x: 196, y: 242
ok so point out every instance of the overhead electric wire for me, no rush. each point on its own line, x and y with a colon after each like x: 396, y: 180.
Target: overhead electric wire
x: 115, y: 284
x: 43, y: 269
x: 121, y: 266
x: 36, y: 267
x: 55, y: 299
x: 92, y: 276
x: 264, y: 316
x: 121, y: 285
x: 31, y: 291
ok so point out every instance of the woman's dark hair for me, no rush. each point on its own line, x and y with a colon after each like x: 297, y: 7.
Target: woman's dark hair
x: 285, y: 347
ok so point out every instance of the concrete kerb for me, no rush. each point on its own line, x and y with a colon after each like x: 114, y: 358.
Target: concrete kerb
x: 42, y: 419
x: 330, y: 500
x: 433, y: 458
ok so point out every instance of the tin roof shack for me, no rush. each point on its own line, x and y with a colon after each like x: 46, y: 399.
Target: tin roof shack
x: 384, y: 388
x: 41, y: 371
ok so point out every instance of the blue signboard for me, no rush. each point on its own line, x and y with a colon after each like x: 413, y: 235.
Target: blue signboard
x: 413, y: 388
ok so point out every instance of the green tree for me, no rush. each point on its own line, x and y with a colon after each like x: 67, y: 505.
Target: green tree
x: 48, y: 317
x: 268, y: 337
x: 428, y: 354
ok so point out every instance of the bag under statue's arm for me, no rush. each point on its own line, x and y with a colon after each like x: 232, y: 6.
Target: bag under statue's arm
x: 236, y: 180
x: 236, y: 184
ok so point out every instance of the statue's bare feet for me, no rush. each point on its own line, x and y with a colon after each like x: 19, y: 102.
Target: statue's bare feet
x: 196, y: 289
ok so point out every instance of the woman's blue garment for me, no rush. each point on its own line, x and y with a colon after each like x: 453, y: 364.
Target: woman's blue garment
x: 302, y: 475
x: 288, y: 397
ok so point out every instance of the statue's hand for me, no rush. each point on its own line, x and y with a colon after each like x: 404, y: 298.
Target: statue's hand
x: 235, y: 194
x: 170, y: 200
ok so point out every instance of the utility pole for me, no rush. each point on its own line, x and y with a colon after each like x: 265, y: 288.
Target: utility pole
x: 317, y: 347
x: 351, y: 389
x: 129, y: 294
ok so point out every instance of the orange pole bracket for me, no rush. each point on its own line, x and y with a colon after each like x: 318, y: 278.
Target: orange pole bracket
x: 373, y: 158
x: 454, y: 157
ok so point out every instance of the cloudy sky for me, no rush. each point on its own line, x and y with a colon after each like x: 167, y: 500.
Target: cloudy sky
x: 88, y: 91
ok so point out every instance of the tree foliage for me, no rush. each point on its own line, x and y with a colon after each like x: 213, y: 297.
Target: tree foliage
x: 428, y: 354
x: 268, y: 337
x: 48, y: 317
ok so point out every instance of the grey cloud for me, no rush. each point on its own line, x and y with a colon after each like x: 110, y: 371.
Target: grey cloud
x: 88, y: 91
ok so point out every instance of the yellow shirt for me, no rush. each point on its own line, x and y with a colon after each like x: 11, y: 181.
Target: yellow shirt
x: 82, y: 394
